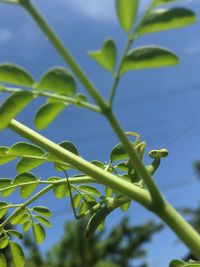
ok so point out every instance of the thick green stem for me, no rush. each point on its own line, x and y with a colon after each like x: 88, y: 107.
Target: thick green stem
x: 101, y: 176
x: 65, y: 54
x: 142, y: 172
x: 182, y: 229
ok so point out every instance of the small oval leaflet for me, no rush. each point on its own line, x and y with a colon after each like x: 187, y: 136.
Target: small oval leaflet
x: 14, y: 74
x: 148, y: 57
x: 166, y: 19
x: 12, y: 106
x: 42, y: 210
x: 106, y: 57
x: 2, y: 260
x: 126, y: 12
x: 39, y: 233
x: 47, y: 114
x: 17, y: 254
x: 58, y: 80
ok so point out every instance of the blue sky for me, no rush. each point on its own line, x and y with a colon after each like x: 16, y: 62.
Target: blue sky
x: 159, y: 104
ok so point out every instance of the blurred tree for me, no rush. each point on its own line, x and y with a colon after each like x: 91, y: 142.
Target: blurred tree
x: 122, y: 246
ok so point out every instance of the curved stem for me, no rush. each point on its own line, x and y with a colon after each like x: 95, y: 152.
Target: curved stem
x: 65, y: 54
x: 130, y: 190
x: 67, y: 99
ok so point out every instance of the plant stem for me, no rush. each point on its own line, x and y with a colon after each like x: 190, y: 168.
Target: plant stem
x: 130, y: 190
x: 182, y: 229
x: 28, y: 202
x: 65, y: 54
x: 142, y: 172
x: 67, y: 99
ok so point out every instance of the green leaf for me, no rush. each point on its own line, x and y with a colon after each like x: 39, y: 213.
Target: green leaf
x: 42, y: 210
x: 26, y: 177
x: 58, y: 80
x: 47, y: 113
x: 18, y: 216
x: 89, y: 189
x: 4, y: 183
x: 69, y: 146
x: 106, y: 57
x: 2, y: 260
x: 166, y: 19
x: 123, y: 166
x: 17, y: 254
x: 15, y: 233
x: 83, y: 208
x: 4, y: 241
x: 60, y: 191
x: 43, y: 220
x: 148, y: 57
x: 4, y: 206
x: 13, y: 74
x: 4, y: 158
x: 177, y: 263
x: 118, y: 153
x: 126, y: 206
x: 27, y: 225
x: 24, y: 218
x: 126, y: 12
x: 163, y: 2
x: 98, y: 164
x: 108, y: 191
x: 39, y: 233
x: 13, y: 105
x: 77, y: 200
x: 27, y: 164
x: 25, y: 149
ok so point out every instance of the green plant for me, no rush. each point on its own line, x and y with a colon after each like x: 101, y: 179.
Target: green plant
x: 125, y: 178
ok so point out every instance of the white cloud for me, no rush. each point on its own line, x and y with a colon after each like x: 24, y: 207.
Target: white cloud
x: 101, y: 10
x: 5, y: 36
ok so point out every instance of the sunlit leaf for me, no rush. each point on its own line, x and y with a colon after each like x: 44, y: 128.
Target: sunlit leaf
x: 108, y: 191
x: 4, y: 183
x: 90, y: 198
x: 123, y: 166
x: 13, y: 105
x: 39, y: 233
x: 77, y: 200
x: 4, y: 157
x: 106, y: 57
x: 27, y: 164
x: 13, y: 74
x: 4, y: 206
x: 3, y: 242
x: 15, y: 233
x: 118, y: 153
x: 83, y: 208
x: 27, y: 225
x: 163, y: 2
x: 18, y: 216
x: 89, y: 189
x: 58, y: 80
x: 25, y: 149
x: 17, y: 254
x: 126, y: 12
x: 43, y: 220
x: 148, y: 57
x: 47, y: 113
x: 60, y: 191
x: 69, y: 146
x: 126, y: 206
x: 2, y: 260
x: 26, y: 190
x: 98, y: 164
x: 42, y: 210
x: 177, y: 263
x: 166, y: 19
x: 24, y: 218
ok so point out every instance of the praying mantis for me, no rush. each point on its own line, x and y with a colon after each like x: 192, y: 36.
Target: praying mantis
x: 100, y: 210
